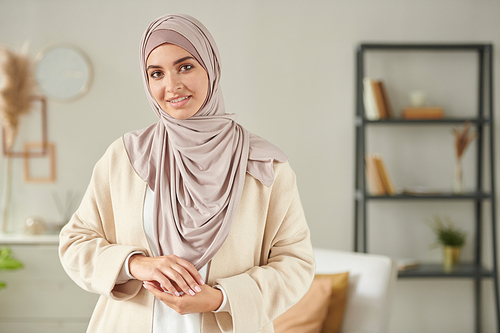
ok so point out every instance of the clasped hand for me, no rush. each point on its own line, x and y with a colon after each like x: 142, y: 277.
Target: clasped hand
x: 167, y: 276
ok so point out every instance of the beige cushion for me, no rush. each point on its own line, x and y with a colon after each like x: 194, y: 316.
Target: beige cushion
x: 308, y: 315
x: 338, y: 299
x: 323, y: 304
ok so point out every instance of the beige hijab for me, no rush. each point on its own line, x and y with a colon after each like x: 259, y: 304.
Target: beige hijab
x: 196, y: 167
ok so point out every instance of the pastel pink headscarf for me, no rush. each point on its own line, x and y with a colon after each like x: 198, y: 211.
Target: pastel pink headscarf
x: 196, y: 166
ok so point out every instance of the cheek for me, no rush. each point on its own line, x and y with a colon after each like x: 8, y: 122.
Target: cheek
x: 203, y: 87
x: 198, y: 83
x: 156, y: 91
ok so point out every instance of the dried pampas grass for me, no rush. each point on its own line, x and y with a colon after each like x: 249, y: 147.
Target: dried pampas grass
x: 16, y: 88
x: 462, y: 139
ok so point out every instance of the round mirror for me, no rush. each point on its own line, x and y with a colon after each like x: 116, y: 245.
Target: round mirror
x: 63, y: 72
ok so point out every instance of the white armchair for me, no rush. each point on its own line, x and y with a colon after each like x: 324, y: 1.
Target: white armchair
x: 371, y: 282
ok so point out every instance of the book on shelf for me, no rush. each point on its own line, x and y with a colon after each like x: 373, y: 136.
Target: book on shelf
x: 375, y: 100
x: 423, y: 112
x: 375, y: 185
x: 371, y: 110
x: 378, y: 179
x: 385, y: 97
x: 384, y: 175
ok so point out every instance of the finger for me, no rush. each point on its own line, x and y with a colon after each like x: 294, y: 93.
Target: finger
x: 182, y: 278
x: 166, y: 285
x: 175, y: 303
x: 192, y: 270
x: 190, y: 275
x: 157, y: 292
x: 152, y: 284
x: 155, y: 283
x: 176, y: 286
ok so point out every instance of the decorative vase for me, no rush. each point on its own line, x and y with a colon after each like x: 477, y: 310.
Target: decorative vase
x: 451, y: 257
x: 6, y: 197
x: 458, y: 182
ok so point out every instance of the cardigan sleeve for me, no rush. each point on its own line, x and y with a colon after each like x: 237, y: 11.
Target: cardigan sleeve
x: 262, y: 293
x: 88, y: 248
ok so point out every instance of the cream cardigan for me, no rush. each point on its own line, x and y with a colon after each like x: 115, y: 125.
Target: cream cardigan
x: 265, y: 265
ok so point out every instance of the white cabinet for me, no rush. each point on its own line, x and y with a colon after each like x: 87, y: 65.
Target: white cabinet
x: 40, y: 297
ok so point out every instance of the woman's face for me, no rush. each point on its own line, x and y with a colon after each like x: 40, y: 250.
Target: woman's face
x: 179, y: 83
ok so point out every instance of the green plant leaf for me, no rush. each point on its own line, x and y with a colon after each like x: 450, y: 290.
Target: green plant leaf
x: 6, y: 260
x: 447, y: 233
x: 2, y: 285
x: 10, y: 264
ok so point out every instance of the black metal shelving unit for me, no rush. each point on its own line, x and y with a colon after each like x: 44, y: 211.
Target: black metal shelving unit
x: 483, y: 121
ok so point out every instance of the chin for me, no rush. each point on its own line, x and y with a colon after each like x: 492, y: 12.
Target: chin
x: 181, y: 115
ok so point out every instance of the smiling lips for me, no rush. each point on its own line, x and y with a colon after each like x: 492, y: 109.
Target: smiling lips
x: 179, y: 101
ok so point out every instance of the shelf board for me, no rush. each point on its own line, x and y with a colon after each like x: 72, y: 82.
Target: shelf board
x: 423, y: 46
x: 23, y: 239
x: 441, y: 196
x: 445, y: 121
x: 437, y: 271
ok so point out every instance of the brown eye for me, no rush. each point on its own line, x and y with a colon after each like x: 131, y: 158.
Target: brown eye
x: 185, y: 68
x: 155, y: 74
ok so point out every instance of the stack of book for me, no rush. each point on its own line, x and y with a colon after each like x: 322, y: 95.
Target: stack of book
x: 375, y: 100
x: 377, y: 176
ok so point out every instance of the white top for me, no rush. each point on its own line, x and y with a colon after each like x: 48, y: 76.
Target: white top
x: 165, y: 319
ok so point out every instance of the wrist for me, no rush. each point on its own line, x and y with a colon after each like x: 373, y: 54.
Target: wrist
x: 213, y: 298
x: 218, y: 299
x: 132, y: 263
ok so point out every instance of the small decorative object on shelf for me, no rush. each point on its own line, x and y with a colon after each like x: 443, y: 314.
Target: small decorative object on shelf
x: 462, y: 140
x: 417, y: 98
x: 7, y: 262
x: 451, y: 238
x: 34, y: 226
x: 418, y: 109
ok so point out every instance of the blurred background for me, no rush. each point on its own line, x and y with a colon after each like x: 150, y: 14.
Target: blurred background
x: 288, y: 72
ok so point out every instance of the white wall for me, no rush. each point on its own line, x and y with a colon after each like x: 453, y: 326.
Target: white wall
x: 288, y: 72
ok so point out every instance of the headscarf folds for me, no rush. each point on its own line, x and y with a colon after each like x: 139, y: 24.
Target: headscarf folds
x: 196, y: 166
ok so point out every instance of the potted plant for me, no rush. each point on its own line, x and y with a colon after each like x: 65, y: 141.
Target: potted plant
x: 451, y: 238
x: 7, y: 262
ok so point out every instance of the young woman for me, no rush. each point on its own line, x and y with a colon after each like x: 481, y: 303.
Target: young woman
x: 192, y: 224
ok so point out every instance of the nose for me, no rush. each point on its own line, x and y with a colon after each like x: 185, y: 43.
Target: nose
x: 172, y: 83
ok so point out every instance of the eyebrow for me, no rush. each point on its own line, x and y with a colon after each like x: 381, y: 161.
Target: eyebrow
x: 182, y: 59
x: 178, y: 61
